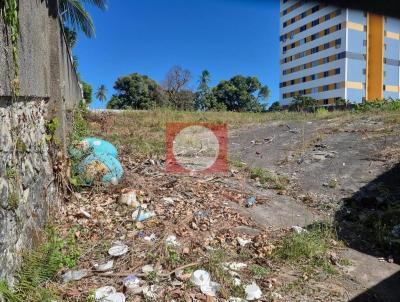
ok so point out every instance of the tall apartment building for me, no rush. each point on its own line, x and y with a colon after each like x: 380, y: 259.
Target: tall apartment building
x: 329, y: 53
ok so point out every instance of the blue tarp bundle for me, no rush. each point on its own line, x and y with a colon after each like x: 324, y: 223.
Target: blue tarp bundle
x: 98, y: 160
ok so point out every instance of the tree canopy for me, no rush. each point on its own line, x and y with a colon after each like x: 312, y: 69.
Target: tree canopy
x: 237, y: 94
x: 136, y: 91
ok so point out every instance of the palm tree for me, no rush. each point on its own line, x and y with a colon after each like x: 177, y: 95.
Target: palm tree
x: 101, y: 93
x: 74, y: 14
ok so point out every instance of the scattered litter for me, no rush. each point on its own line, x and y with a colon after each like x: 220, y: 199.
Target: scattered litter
x: 140, y: 215
x: 251, y: 201
x: 129, y: 198
x: 132, y: 285
x: 203, y: 214
x: 253, y: 292
x: 74, y: 275
x: 103, y: 292
x: 168, y: 200
x: 118, y: 249
x: 381, y: 259
x: 84, y: 214
x: 148, y: 268
x: 235, y: 266
x: 299, y: 230
x: 115, y: 297
x: 172, y: 241
x: 243, y: 242
x: 104, y: 267
x: 202, y: 279
x: 151, y: 292
x: 150, y: 238
x: 237, y: 281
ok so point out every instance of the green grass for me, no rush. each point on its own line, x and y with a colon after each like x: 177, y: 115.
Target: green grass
x: 39, y: 267
x: 259, y: 272
x: 308, y: 249
x: 268, y: 178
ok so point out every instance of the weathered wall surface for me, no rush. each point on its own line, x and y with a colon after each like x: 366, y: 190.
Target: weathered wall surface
x: 49, y: 88
x: 27, y: 190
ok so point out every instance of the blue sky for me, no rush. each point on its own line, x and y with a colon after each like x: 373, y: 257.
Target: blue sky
x: 226, y: 37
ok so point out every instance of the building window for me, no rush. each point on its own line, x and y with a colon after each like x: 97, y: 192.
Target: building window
x: 303, y: 28
x: 326, y: 102
x: 326, y: 45
x: 326, y: 31
x: 364, y: 71
x: 338, y: 12
x: 315, y: 8
x: 327, y: 17
x: 315, y: 22
x: 385, y: 46
x: 303, y: 15
x: 285, y: 24
x: 386, y: 19
x: 326, y: 74
x: 325, y: 88
x: 364, y: 43
x: 337, y: 71
x: 292, y: 20
x: 339, y: 26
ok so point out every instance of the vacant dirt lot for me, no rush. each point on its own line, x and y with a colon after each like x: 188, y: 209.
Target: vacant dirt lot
x: 336, y: 176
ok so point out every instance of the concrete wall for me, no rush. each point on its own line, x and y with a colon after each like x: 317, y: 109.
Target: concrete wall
x: 49, y: 88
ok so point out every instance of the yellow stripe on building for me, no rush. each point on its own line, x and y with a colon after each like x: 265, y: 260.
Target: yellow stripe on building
x: 392, y: 35
x: 353, y: 85
x: 355, y: 26
x: 392, y: 88
x: 375, y: 51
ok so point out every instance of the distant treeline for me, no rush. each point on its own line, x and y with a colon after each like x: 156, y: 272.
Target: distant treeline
x: 240, y: 93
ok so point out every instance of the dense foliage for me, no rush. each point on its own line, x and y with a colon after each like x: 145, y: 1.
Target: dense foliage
x: 237, y: 94
x: 136, y: 91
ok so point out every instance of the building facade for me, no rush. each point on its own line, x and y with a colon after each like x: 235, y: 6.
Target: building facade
x: 331, y: 53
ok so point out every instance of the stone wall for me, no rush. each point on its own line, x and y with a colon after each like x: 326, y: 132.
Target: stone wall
x: 27, y: 191
x: 49, y: 88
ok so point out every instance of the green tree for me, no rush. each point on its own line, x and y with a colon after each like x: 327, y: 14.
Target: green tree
x: 76, y: 17
x: 301, y: 102
x: 136, y: 91
x: 87, y: 92
x: 101, y: 93
x: 70, y: 36
x: 275, y: 106
x: 204, y: 98
x: 241, y: 94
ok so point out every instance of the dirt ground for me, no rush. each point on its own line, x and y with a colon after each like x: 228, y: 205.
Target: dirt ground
x: 324, y: 164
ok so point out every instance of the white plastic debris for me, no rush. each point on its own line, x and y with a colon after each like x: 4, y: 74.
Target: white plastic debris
x: 237, y: 281
x: 132, y: 285
x: 151, y: 292
x: 202, y: 279
x: 103, y: 292
x: 104, y: 267
x: 141, y: 215
x: 299, y: 230
x: 172, y: 241
x: 74, y: 275
x: 235, y: 266
x: 168, y: 200
x: 150, y: 238
x: 243, y: 242
x: 129, y: 198
x: 253, y: 292
x: 148, y: 269
x: 118, y: 249
x: 116, y: 297
x: 85, y: 214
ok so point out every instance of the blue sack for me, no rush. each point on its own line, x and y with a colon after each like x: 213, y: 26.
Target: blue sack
x: 100, y: 167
